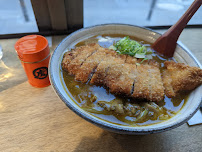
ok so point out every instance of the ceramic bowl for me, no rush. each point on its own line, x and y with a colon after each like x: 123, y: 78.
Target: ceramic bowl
x: 181, y: 55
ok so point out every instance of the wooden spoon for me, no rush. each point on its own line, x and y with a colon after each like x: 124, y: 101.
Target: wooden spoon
x: 166, y: 44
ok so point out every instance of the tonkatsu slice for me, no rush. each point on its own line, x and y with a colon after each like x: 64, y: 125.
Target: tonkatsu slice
x: 179, y: 77
x: 119, y: 73
x: 120, y: 78
x: 148, y: 83
x: 89, y: 65
x: 128, y: 76
x: 83, y: 53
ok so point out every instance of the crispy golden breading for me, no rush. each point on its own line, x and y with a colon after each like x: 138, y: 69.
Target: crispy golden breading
x: 101, y: 72
x: 120, y: 78
x: 141, y: 85
x: 89, y: 65
x: 154, y: 63
x: 167, y: 83
x: 122, y: 75
x: 110, y: 52
x: 148, y: 84
x: 117, y: 72
x: 131, y: 60
x: 69, y: 56
x: 156, y: 84
x: 122, y: 56
x: 103, y: 68
x: 87, y: 51
x: 87, y: 69
x: 179, y: 77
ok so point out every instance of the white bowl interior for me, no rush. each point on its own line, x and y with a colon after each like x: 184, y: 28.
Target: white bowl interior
x: 181, y: 55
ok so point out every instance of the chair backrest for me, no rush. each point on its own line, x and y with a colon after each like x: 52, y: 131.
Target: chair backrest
x: 58, y: 15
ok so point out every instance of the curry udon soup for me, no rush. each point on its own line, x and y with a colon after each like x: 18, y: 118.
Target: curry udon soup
x: 98, y: 101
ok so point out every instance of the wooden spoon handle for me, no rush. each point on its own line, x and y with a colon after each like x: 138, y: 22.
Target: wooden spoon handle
x: 182, y: 22
x: 166, y: 44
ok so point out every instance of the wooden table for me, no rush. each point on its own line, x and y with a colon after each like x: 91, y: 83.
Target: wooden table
x: 33, y: 119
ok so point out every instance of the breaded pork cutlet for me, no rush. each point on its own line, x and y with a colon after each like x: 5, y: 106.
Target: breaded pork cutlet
x: 141, y: 84
x: 131, y: 60
x: 124, y: 78
x: 117, y: 72
x: 87, y: 68
x: 69, y: 56
x: 84, y: 53
x: 120, y: 78
x: 179, y: 77
x: 101, y: 71
x: 122, y: 75
x: 156, y: 83
x: 148, y: 84
x: 90, y: 64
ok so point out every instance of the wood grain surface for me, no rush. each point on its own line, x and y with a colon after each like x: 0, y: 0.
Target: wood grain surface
x: 36, y: 120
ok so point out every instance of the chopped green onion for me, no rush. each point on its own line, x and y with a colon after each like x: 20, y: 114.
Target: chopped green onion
x: 130, y: 47
x: 140, y: 55
x: 143, y: 60
x: 112, y: 47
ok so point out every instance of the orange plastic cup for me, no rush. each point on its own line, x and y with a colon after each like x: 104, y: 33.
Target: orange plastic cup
x: 34, y: 53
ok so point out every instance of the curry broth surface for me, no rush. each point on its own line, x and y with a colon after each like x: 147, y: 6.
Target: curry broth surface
x: 87, y: 95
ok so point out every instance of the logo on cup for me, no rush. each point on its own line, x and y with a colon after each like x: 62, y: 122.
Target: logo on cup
x: 40, y: 73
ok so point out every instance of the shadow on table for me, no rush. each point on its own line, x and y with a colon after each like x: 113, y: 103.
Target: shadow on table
x: 108, y: 141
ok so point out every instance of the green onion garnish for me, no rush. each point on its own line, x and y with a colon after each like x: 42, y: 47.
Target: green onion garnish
x: 130, y: 47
